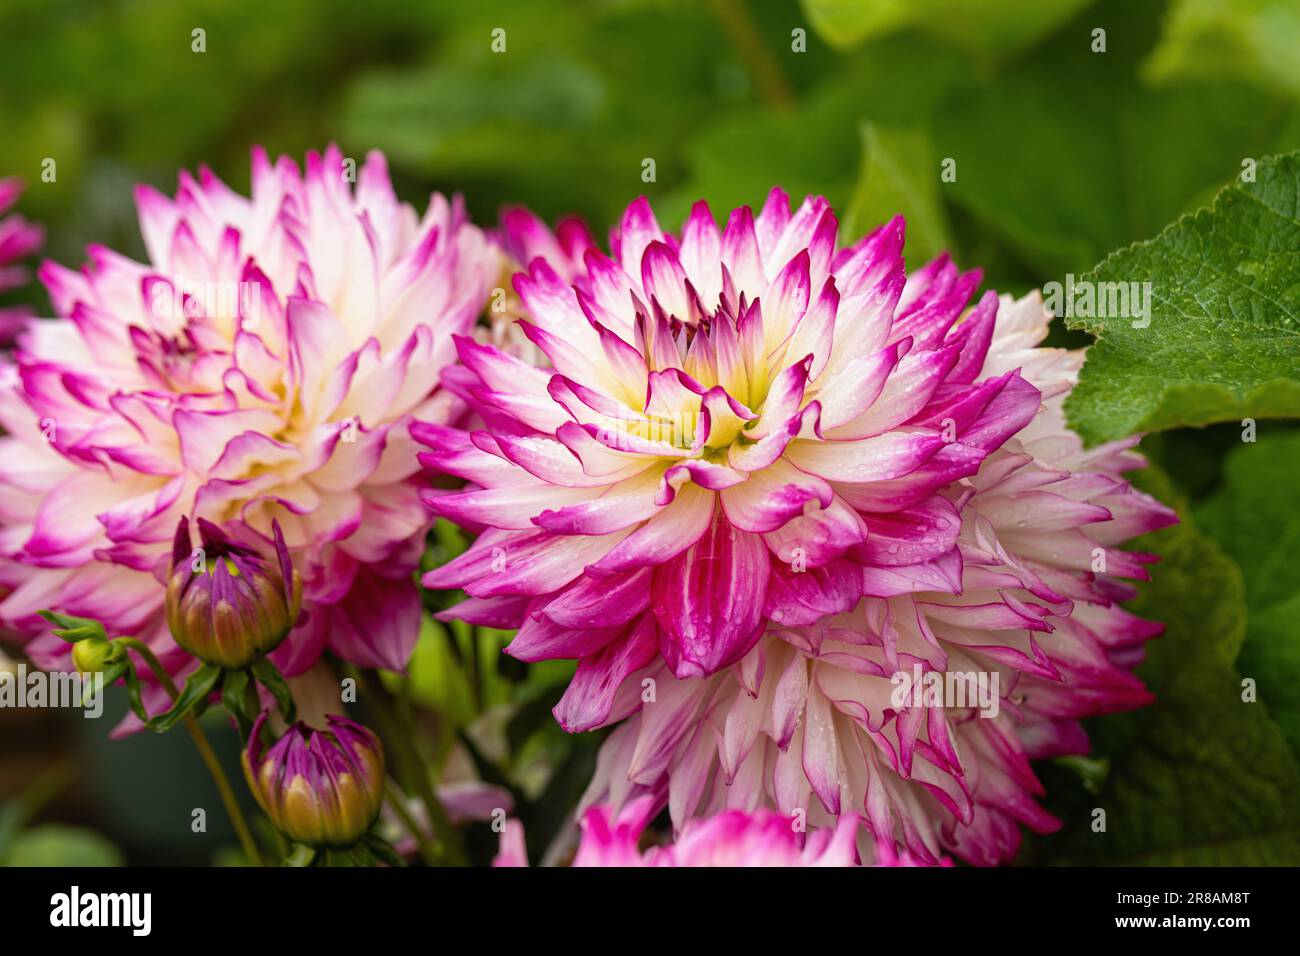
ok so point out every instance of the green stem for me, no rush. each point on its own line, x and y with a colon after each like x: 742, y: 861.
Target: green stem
x: 411, y: 764
x: 252, y: 700
x: 768, y: 76
x: 397, y: 800
x: 206, y: 753
x: 476, y: 668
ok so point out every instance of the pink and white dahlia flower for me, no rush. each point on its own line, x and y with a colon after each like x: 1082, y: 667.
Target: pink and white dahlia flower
x: 18, y: 239
x: 761, y: 479
x: 265, y: 363
x: 1022, y: 617
x: 732, y: 838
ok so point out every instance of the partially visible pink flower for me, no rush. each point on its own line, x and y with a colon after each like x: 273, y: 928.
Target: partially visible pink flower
x: 266, y: 363
x: 524, y: 238
x: 18, y: 239
x: 732, y: 838
x: 808, y: 720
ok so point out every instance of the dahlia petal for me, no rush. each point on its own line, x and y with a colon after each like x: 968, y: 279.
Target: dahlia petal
x: 601, y: 602
x: 770, y: 498
x: 636, y: 231
x: 973, y: 337
x: 790, y: 696
x: 205, y: 436
x: 784, y: 400
x: 953, y: 461
x: 540, y: 639
x: 709, y: 600
x: 772, y: 220
x: 740, y: 731
x: 907, y: 391
x: 664, y: 725
x: 786, y: 301
x: 378, y: 623
x: 501, y: 563
x: 671, y: 531
x: 664, y: 280
x: 857, y: 386
x: 623, y: 504
x: 918, y: 534
x: 505, y: 613
x: 814, y: 334
x: 701, y: 251
x: 805, y: 597
x: 821, y: 755
x: 513, y: 384
x: 943, y: 574
x: 881, y: 458
x: 590, y: 697
x: 455, y: 453
x: 740, y: 253
x: 510, y: 508
x: 817, y: 537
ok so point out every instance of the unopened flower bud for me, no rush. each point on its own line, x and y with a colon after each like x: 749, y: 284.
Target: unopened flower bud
x: 228, y: 605
x: 92, y: 655
x: 321, y: 788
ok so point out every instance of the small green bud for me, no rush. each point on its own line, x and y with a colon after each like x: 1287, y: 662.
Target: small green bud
x: 93, y: 655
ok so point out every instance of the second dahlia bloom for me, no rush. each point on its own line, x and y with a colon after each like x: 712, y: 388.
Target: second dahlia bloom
x: 732, y: 838
x: 18, y: 239
x: 265, y: 363
x: 736, y: 427
x: 759, y: 525
x: 824, y: 719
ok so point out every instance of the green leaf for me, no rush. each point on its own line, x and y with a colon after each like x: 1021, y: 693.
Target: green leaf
x: 437, y: 680
x: 473, y: 110
x: 1223, y: 340
x: 72, y: 628
x: 383, y: 851
x: 1253, y: 40
x: 193, y: 697
x: 270, y: 677
x: 54, y: 844
x: 899, y: 174
x: 234, y: 698
x: 1255, y: 516
x: 134, y: 692
x: 301, y: 856
x: 991, y: 29
x: 1065, y: 156
x: 1199, y: 777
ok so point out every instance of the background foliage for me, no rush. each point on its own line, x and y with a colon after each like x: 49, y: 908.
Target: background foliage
x: 1063, y: 154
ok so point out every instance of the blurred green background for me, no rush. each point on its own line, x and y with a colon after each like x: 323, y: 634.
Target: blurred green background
x: 1068, y: 143
x: 1062, y: 153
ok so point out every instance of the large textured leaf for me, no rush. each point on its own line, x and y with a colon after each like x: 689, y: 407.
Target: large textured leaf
x: 1255, y: 516
x: 1200, y: 777
x: 1253, y: 40
x: 1223, y: 340
x: 1066, y: 157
